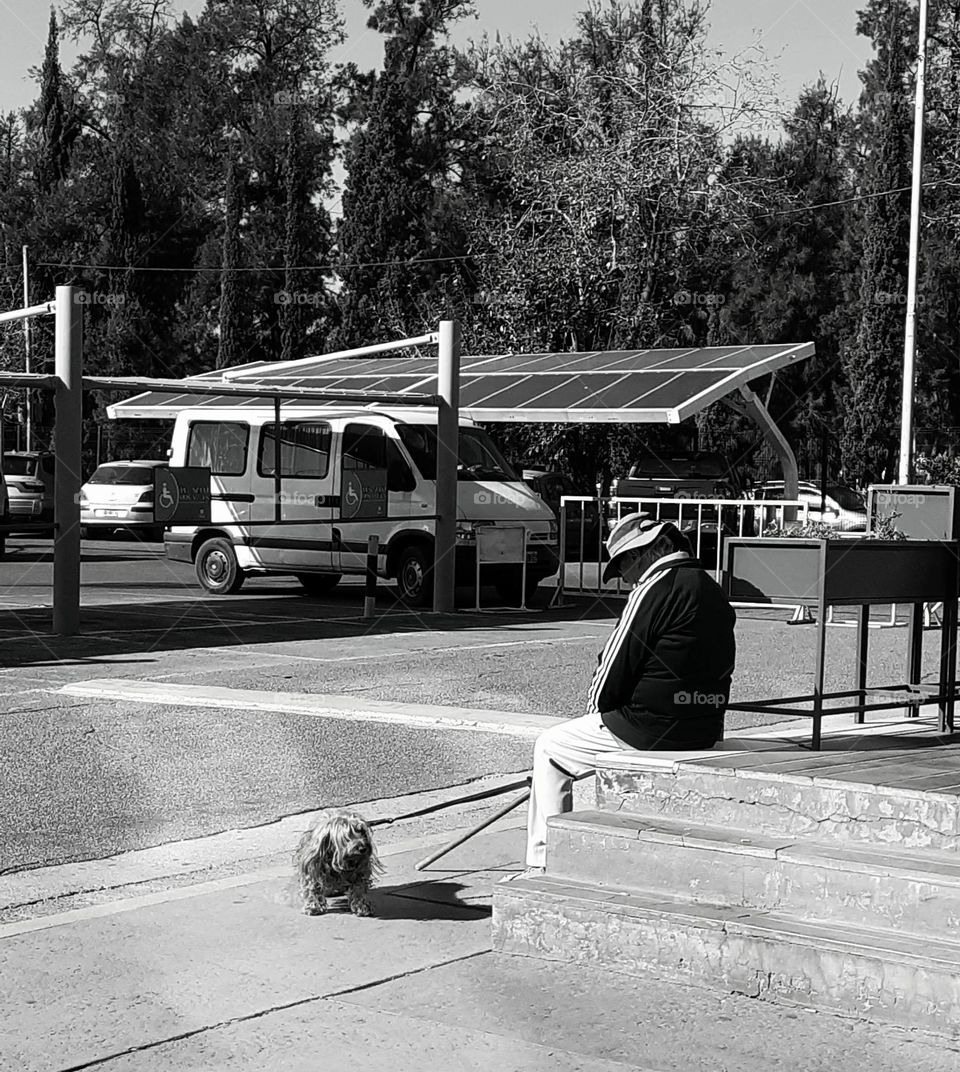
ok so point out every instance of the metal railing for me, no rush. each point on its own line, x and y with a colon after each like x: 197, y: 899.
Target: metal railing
x: 585, y: 522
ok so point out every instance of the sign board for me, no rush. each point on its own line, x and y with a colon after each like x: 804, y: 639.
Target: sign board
x: 181, y: 496
x: 500, y: 544
x: 364, y: 493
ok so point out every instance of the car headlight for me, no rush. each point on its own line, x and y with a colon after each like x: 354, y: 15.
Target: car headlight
x: 466, y: 532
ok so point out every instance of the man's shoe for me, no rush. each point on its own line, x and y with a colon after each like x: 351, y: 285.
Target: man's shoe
x: 531, y: 872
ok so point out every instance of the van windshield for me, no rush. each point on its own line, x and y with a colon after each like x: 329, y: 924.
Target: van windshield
x: 479, y: 458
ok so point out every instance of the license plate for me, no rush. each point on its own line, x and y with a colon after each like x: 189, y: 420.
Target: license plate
x: 109, y: 513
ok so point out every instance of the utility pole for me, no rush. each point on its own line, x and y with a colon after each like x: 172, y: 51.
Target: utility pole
x: 26, y: 349
x: 909, y: 335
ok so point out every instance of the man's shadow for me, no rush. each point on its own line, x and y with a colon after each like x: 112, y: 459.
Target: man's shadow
x: 425, y: 901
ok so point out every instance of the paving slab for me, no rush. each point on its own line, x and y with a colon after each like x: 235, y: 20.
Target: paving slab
x: 332, y: 1034
x: 647, y: 1023
x: 116, y: 978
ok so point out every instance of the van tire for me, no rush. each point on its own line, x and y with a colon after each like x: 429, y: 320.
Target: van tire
x: 318, y: 584
x: 217, y: 568
x: 415, y: 575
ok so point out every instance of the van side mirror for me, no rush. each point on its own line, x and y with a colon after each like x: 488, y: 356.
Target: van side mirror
x: 399, y: 477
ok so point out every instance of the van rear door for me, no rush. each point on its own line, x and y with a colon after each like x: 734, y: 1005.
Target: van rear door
x: 223, y: 448
x: 294, y: 528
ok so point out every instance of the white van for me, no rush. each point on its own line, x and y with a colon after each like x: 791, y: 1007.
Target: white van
x: 348, y: 474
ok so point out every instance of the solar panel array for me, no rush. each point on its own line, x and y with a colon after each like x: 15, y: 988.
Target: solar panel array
x: 621, y: 386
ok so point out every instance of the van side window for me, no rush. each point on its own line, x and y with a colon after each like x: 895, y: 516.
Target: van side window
x: 422, y: 445
x: 221, y: 445
x: 364, y: 447
x: 399, y: 474
x: 304, y: 449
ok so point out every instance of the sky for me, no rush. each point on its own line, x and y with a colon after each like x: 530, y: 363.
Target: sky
x: 802, y: 38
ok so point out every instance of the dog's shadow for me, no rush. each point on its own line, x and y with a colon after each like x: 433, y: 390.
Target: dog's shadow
x: 411, y: 900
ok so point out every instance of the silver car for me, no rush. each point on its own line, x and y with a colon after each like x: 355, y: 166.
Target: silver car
x: 28, y: 475
x: 842, y: 508
x: 119, y: 495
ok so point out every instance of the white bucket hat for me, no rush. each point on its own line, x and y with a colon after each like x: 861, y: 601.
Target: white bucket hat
x: 630, y: 534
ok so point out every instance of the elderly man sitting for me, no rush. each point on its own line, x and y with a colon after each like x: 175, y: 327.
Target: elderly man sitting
x: 663, y: 677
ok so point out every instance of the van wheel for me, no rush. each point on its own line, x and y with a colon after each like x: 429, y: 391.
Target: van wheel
x: 318, y: 584
x: 217, y: 569
x: 415, y: 575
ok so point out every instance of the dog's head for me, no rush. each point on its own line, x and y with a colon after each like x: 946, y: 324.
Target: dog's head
x: 340, y: 843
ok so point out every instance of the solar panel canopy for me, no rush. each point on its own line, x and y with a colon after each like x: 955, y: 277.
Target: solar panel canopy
x: 619, y: 386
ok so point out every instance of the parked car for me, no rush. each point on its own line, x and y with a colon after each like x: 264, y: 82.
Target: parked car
x: 687, y: 476
x: 551, y: 486
x: 28, y: 476
x: 843, y: 508
x: 119, y: 495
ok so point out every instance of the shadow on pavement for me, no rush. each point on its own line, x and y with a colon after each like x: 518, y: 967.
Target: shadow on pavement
x: 271, y: 615
x: 434, y: 900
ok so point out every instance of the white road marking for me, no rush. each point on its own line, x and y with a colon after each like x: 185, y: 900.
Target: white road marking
x: 312, y: 705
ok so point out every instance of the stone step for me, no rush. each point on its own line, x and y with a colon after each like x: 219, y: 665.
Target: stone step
x: 837, y: 801
x: 887, y: 977
x: 909, y: 890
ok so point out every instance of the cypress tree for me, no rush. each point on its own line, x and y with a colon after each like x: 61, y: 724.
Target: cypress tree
x: 57, y: 128
x: 291, y: 317
x: 872, y: 362
x: 229, y: 346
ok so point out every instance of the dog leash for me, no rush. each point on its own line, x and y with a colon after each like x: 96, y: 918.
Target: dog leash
x: 480, y: 826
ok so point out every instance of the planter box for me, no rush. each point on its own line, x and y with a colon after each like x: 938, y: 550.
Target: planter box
x: 839, y: 572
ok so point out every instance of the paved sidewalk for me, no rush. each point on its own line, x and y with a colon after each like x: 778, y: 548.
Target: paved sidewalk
x: 225, y: 973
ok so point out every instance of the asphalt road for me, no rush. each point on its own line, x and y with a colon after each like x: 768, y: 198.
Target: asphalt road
x: 84, y: 778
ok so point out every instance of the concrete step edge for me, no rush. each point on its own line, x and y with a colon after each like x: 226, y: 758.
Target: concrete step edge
x: 925, y: 865
x: 943, y: 954
x: 701, y: 768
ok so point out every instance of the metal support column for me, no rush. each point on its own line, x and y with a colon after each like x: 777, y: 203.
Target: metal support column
x: 448, y: 434
x: 68, y: 356
x: 756, y: 410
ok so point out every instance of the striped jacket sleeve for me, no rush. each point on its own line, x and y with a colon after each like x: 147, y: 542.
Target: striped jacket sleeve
x: 615, y: 678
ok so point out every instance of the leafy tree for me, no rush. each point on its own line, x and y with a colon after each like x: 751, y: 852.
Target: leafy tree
x: 937, y: 412
x: 782, y: 281
x: 602, y: 185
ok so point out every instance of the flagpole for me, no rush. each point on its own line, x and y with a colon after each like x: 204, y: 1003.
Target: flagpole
x: 909, y: 335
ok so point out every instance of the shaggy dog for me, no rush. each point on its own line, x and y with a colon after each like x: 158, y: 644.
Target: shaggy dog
x: 336, y: 856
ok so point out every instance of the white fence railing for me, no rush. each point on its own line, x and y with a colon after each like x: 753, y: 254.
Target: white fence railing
x: 585, y: 522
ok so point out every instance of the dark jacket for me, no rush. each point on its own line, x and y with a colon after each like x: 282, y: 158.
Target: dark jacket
x: 663, y: 679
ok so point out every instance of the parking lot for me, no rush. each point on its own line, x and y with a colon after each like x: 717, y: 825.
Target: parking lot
x: 94, y: 772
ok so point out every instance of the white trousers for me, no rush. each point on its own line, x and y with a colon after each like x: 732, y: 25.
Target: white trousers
x: 562, y: 753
